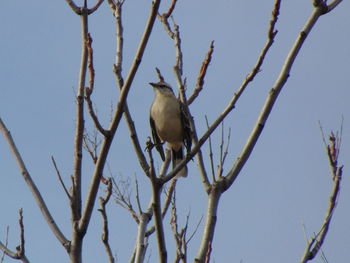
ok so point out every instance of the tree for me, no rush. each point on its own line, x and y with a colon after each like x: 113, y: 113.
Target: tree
x: 98, y: 145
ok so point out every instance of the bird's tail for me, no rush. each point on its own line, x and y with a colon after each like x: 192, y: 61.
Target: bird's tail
x: 177, y: 157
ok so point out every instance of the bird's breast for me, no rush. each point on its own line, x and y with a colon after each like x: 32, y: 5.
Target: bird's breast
x: 166, y: 115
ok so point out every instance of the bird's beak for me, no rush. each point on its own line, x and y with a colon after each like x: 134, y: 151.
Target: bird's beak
x: 154, y: 85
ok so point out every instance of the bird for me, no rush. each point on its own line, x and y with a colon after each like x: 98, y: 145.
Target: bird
x: 169, y: 123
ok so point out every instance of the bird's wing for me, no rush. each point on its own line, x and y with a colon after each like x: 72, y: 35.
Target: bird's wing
x: 156, y: 140
x: 187, y: 127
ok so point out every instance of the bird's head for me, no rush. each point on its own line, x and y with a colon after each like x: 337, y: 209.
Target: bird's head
x: 162, y: 87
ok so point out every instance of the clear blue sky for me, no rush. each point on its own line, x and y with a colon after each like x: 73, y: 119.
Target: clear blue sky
x: 285, y: 183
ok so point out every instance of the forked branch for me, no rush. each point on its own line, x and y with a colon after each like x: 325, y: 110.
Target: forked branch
x: 20, y: 254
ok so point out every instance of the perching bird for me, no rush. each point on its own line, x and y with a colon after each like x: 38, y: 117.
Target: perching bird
x: 170, y: 124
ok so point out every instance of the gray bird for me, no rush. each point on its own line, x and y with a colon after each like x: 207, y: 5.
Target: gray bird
x: 170, y: 124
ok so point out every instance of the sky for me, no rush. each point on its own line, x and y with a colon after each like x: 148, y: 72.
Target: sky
x: 282, y: 193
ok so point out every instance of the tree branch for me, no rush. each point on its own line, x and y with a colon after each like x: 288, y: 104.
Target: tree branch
x: 210, y: 153
x: 90, y: 89
x: 142, y: 239
x: 315, y: 244
x: 32, y: 187
x: 20, y: 254
x: 209, y: 228
x: 145, y: 217
x: 272, y: 97
x: 105, y: 234
x: 223, y: 155
x: 79, y: 129
x: 333, y: 5
x: 74, y: 7
x: 122, y: 198
x: 218, y: 187
x: 60, y: 179
x: 171, y: 9
x: 120, y: 81
x: 83, y: 10
x: 202, y: 74
x: 156, y: 207
x: 97, y: 5
x: 83, y: 224
x: 4, y: 246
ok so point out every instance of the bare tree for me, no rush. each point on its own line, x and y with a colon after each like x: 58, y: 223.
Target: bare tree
x: 150, y: 220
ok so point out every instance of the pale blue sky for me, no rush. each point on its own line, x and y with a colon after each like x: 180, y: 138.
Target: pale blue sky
x: 285, y: 183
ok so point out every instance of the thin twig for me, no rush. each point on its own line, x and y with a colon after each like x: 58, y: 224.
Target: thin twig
x: 210, y: 152
x: 168, y: 198
x: 202, y: 74
x: 194, y: 231
x: 322, y: 134
x: 122, y: 198
x: 227, y: 145
x: 138, y: 196
x: 91, y: 145
x: 221, y: 165
x: 323, y: 257
x: 60, y: 179
x: 221, y: 148
x: 339, y: 138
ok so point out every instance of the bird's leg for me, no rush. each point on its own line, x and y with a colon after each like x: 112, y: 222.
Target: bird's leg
x: 149, y: 144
